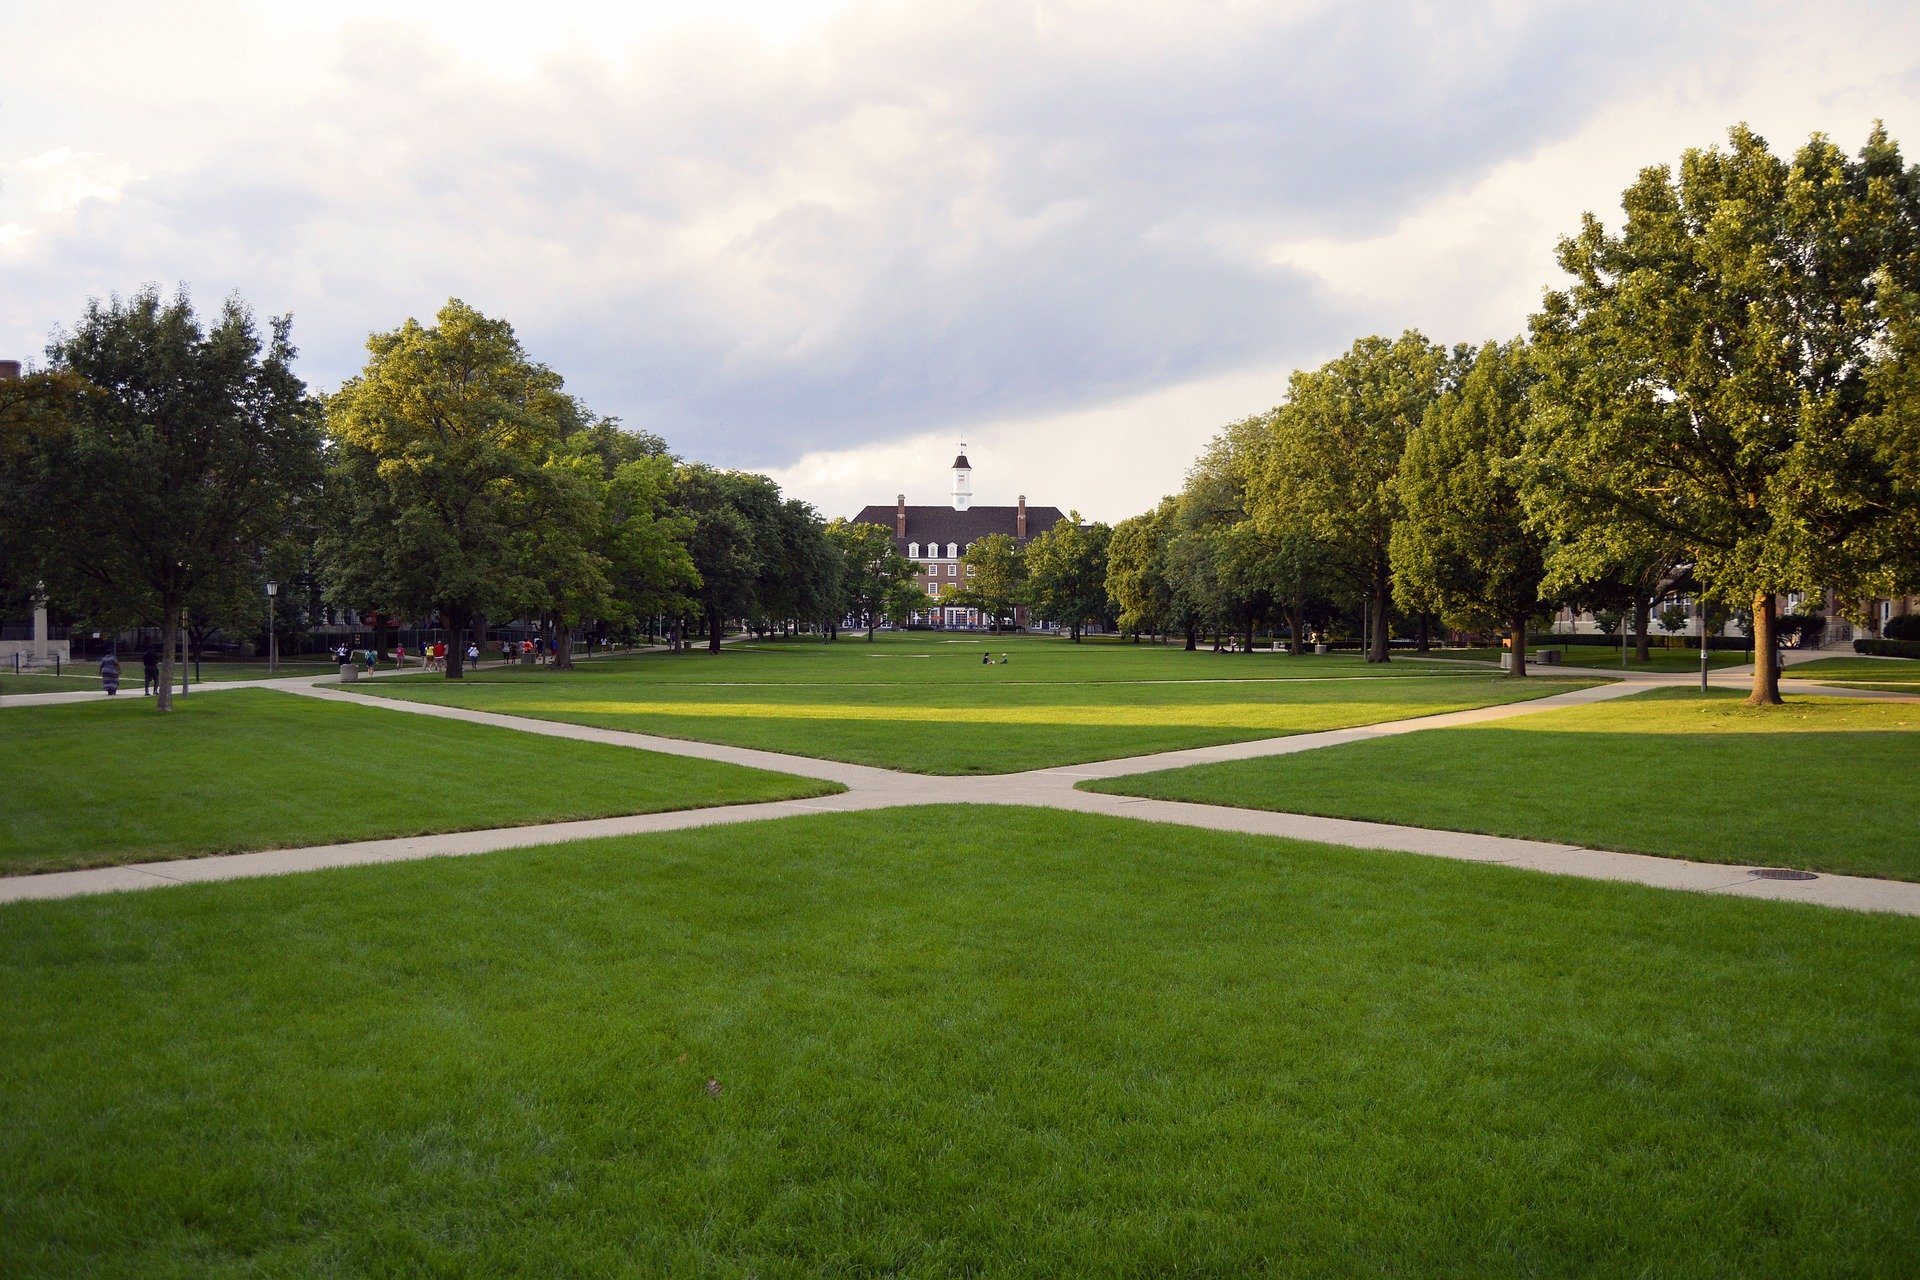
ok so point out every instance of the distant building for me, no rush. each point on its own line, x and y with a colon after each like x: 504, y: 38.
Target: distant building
x: 939, y: 536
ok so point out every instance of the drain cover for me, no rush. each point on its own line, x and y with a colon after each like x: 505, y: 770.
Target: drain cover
x: 1781, y: 873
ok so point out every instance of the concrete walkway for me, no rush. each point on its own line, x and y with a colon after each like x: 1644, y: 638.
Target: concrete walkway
x: 873, y: 788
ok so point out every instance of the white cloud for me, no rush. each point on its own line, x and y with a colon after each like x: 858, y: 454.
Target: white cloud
x: 834, y: 237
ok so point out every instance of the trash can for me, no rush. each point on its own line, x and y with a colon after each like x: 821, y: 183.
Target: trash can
x: 1506, y: 660
x: 349, y: 673
x: 1319, y: 648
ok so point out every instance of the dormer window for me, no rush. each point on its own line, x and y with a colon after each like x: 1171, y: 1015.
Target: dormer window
x: 952, y: 550
x: 913, y: 551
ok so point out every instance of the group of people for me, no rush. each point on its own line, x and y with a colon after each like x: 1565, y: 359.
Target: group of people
x: 149, y: 667
x: 986, y: 660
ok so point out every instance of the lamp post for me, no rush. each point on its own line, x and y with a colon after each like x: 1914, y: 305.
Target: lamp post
x: 273, y: 645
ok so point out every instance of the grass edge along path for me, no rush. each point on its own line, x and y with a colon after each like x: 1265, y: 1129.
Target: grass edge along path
x: 955, y: 1041
x: 111, y: 783
x: 1824, y: 785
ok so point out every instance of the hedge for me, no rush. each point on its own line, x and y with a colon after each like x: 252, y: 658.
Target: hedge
x: 1904, y: 627
x: 1888, y: 648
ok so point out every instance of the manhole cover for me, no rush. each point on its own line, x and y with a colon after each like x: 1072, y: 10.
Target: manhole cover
x: 1781, y: 873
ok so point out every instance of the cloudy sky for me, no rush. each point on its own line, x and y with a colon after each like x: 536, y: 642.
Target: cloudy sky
x: 831, y: 240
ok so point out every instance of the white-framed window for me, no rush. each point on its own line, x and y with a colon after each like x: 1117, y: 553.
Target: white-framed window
x: 933, y: 588
x: 953, y: 570
x: 913, y: 551
x: 952, y: 550
x: 969, y: 571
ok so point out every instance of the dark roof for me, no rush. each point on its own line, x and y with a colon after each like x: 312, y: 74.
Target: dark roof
x: 944, y: 524
x: 960, y: 463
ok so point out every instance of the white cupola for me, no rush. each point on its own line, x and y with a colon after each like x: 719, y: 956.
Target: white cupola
x: 962, y: 480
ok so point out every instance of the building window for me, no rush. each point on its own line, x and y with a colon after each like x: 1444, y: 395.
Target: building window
x: 933, y: 588
x: 913, y: 551
x: 953, y: 570
x: 969, y: 571
x: 952, y: 550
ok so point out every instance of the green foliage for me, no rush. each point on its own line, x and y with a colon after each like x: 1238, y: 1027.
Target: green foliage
x: 1330, y: 458
x: 1904, y: 627
x: 1137, y: 581
x: 995, y: 580
x: 877, y: 582
x: 1463, y: 548
x: 181, y: 455
x: 442, y: 496
x: 1714, y: 373
x: 1888, y: 648
x: 1067, y: 573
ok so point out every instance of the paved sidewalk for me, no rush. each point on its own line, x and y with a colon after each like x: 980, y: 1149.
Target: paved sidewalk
x: 872, y: 788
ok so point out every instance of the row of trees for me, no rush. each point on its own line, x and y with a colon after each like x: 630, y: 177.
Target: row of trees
x: 1724, y: 399
x: 160, y: 470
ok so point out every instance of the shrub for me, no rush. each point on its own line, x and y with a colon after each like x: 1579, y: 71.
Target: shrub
x: 1904, y: 627
x: 1888, y: 648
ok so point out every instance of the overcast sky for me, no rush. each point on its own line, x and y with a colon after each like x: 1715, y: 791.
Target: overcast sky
x: 832, y: 240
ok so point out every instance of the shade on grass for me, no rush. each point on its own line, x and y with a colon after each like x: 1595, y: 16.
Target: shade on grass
x: 932, y: 709
x: 109, y: 782
x: 958, y: 1041
x: 1826, y: 784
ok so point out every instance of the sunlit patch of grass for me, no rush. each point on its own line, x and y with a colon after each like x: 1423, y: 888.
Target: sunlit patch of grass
x: 1828, y: 784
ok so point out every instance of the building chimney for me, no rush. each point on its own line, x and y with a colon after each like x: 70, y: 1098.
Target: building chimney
x: 9, y: 370
x: 1020, y: 519
x: 900, y: 516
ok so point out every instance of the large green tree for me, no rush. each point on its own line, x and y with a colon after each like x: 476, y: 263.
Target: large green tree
x: 441, y: 440
x: 1717, y: 371
x: 1464, y: 547
x: 1137, y: 572
x: 1330, y: 460
x: 877, y: 582
x: 1067, y: 573
x: 183, y: 463
x: 995, y: 579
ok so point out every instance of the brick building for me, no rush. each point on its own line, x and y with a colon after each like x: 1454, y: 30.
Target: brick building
x: 938, y: 536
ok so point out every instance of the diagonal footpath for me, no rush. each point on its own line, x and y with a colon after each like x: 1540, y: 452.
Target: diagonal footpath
x: 873, y: 788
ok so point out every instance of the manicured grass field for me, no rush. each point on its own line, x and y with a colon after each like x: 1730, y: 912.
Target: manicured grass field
x: 111, y: 782
x: 85, y: 675
x: 955, y: 1042
x: 930, y: 706
x: 1894, y: 675
x: 1659, y: 660
x: 1824, y: 784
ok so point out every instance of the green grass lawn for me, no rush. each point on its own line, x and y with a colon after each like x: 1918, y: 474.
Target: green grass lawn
x: 1894, y: 675
x: 85, y: 675
x: 1659, y: 660
x: 111, y: 782
x: 955, y: 1042
x: 1825, y: 784
x: 930, y: 706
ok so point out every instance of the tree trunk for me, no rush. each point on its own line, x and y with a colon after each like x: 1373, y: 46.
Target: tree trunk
x: 563, y: 647
x: 1642, y: 613
x: 1377, y: 650
x: 1249, y: 645
x: 1296, y: 624
x: 1519, y: 645
x: 716, y: 630
x: 1193, y: 639
x: 1766, y: 654
x: 169, y: 627
x: 456, y: 620
x: 1422, y: 637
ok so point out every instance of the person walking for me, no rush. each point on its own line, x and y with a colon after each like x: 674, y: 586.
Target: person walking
x: 110, y: 673
x: 473, y: 655
x: 149, y: 670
